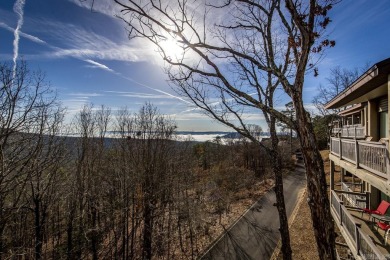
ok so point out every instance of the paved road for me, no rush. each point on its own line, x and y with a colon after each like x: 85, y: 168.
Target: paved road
x: 256, y: 234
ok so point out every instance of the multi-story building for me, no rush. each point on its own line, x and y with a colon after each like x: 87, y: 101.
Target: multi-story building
x: 359, y: 162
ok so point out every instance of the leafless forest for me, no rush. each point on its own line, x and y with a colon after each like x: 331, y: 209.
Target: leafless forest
x: 140, y: 194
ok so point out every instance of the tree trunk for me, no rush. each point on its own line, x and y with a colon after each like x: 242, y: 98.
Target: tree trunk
x: 133, y: 225
x: 280, y: 205
x: 94, y: 238
x: 2, y: 237
x: 69, y: 232
x: 38, y: 228
x: 147, y: 232
x: 316, y: 183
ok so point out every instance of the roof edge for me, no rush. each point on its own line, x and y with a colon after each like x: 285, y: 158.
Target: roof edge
x: 366, y: 77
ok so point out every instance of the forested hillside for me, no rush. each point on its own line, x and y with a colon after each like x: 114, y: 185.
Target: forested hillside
x: 139, y: 195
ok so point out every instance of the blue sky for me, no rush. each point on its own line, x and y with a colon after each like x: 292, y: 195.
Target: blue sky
x: 87, y: 56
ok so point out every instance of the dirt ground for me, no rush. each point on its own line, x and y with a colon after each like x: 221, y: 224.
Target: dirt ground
x: 303, y: 242
x: 301, y: 231
x: 245, y: 199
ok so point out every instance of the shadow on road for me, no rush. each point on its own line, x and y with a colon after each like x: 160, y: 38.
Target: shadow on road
x: 256, y: 234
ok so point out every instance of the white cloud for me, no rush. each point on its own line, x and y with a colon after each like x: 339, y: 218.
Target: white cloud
x: 86, y: 95
x: 98, y: 65
x: 119, y: 92
x: 81, y: 100
x: 155, y: 89
x: 105, y: 7
x: 143, y: 49
x: 99, y: 51
x: 78, y: 42
x: 24, y: 35
x: 144, y: 96
x: 18, y: 9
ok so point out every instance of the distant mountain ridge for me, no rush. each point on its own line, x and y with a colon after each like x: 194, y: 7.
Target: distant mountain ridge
x: 215, y: 133
x: 203, y: 133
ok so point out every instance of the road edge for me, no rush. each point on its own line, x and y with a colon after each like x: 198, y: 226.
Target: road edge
x: 301, y: 196
x: 232, y: 225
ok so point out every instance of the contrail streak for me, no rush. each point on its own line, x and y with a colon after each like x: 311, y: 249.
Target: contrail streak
x: 104, y: 67
x: 25, y: 35
x: 155, y: 89
x: 18, y: 9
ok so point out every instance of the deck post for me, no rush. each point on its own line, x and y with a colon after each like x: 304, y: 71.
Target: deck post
x: 330, y: 144
x: 340, y: 150
x: 387, y: 161
x: 356, y: 152
x: 357, y: 226
x: 368, y: 200
x: 341, y: 213
x: 331, y: 175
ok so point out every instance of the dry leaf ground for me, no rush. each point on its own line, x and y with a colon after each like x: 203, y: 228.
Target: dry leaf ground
x: 303, y: 243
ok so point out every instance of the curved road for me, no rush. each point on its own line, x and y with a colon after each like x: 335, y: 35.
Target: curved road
x: 256, y: 234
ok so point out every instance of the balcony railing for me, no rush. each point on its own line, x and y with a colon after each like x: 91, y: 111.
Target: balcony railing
x: 354, y: 199
x: 350, y: 131
x: 372, y: 156
x: 362, y: 243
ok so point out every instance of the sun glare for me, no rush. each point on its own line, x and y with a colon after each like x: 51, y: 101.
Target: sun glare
x: 172, y: 48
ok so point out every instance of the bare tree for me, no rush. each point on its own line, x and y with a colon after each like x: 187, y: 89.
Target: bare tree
x: 338, y: 80
x: 29, y: 117
x: 140, y: 195
x: 92, y: 126
x: 44, y: 171
x: 220, y: 41
x: 152, y: 134
x: 150, y: 159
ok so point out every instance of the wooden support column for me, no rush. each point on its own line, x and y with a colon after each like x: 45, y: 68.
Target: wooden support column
x: 374, y: 197
x: 331, y: 175
x: 368, y: 200
x: 356, y: 151
x: 331, y: 180
x: 341, y: 149
x: 388, y: 132
x: 366, y: 120
x: 373, y: 120
x: 388, y: 106
x: 387, y: 161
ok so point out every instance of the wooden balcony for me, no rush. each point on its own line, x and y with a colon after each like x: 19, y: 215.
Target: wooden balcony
x: 371, y: 156
x: 350, y: 131
x: 358, y: 200
x: 360, y: 234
